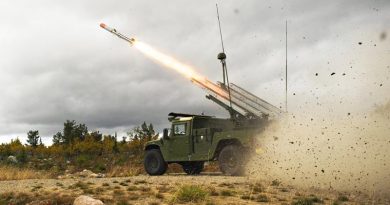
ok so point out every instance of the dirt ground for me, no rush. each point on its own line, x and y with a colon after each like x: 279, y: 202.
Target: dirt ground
x: 162, y: 189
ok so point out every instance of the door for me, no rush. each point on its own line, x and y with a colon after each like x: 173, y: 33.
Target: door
x: 202, y: 141
x: 179, y: 142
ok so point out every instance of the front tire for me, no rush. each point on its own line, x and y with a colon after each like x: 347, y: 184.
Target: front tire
x: 231, y: 161
x: 154, y: 162
x: 192, y: 168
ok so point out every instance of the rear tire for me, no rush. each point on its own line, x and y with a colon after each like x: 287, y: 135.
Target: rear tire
x: 192, y: 168
x: 154, y: 162
x: 231, y: 161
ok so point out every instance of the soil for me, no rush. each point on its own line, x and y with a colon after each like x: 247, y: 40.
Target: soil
x: 161, y: 190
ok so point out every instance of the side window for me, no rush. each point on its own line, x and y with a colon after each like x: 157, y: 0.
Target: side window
x: 179, y: 129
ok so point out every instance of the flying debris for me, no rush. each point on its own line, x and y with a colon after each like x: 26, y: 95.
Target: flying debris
x: 113, y: 31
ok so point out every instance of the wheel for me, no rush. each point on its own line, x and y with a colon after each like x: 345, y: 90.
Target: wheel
x: 192, y: 168
x: 231, y: 160
x: 154, y: 163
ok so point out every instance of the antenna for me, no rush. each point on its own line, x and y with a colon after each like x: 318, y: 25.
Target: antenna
x: 222, y: 58
x: 220, y: 31
x: 286, y: 69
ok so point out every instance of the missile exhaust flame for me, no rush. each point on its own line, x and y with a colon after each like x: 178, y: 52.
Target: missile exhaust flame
x: 245, y: 103
x: 170, y: 62
x: 179, y: 67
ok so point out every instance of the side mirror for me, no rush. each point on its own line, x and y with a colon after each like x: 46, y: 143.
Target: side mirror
x: 165, y: 134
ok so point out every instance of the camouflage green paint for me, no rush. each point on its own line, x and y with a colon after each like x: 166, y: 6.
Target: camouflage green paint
x: 200, y: 144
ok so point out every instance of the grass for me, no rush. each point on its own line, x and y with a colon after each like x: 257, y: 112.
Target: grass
x: 159, y: 196
x: 275, y: 182
x: 307, y: 200
x: 342, y: 198
x: 123, y: 184
x: 189, y: 193
x: 88, y: 191
x: 36, y: 187
x: 284, y: 189
x: 122, y: 202
x: 22, y: 198
x: 145, y: 189
x: 80, y: 185
x: 262, y: 198
x: 118, y: 192
x: 140, y: 182
x: 15, y: 173
x: 213, y: 191
x: 163, y: 189
x: 124, y: 171
x: 134, y: 197
x: 131, y: 188
x: 257, y: 188
x: 227, y: 192
x: 247, y: 197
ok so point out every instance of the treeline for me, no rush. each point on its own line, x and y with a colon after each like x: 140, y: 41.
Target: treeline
x: 77, y: 145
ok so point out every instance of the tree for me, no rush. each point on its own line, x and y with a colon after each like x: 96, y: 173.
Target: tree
x: 79, y: 132
x: 123, y: 140
x: 58, y: 138
x: 71, y: 133
x: 33, y: 138
x: 97, y: 136
x: 140, y: 135
x: 68, y: 129
x: 115, y: 148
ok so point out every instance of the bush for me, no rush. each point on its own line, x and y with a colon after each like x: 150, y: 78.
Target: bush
x: 342, y: 198
x: 262, y: 198
x: 226, y: 192
x: 307, y: 200
x: 190, y: 193
x: 82, y: 160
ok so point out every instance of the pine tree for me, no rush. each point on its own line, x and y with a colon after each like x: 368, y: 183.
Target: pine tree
x: 33, y: 138
x: 115, y: 148
x: 58, y: 138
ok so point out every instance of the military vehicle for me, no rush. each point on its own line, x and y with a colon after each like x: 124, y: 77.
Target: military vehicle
x: 193, y: 140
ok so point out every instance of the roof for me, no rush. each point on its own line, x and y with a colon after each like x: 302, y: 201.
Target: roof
x: 183, y: 116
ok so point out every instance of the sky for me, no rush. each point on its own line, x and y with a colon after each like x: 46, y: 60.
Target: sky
x: 57, y: 64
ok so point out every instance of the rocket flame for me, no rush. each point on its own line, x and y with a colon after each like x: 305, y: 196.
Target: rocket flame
x: 166, y: 60
x: 170, y: 62
x: 181, y: 68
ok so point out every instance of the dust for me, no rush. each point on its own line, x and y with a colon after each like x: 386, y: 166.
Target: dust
x: 349, y: 153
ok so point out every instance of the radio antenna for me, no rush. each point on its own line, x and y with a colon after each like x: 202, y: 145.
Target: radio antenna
x: 286, y: 70
x: 222, y: 58
x: 220, y: 30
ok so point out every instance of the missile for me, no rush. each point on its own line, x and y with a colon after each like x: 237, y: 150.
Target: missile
x: 113, y: 31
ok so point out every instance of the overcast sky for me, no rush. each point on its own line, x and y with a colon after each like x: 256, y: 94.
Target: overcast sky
x: 56, y: 63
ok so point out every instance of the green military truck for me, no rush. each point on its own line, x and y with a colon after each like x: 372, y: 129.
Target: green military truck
x: 195, y: 139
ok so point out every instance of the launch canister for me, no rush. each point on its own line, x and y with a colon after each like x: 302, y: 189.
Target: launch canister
x: 113, y: 31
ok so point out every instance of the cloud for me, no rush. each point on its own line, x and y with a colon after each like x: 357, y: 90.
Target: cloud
x: 57, y: 64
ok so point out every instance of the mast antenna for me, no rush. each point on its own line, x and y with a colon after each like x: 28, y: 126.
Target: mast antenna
x: 220, y: 30
x: 222, y: 58
x: 286, y: 71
